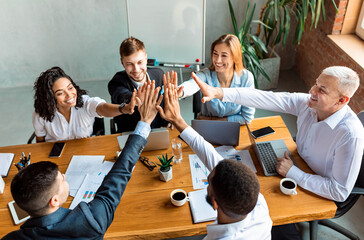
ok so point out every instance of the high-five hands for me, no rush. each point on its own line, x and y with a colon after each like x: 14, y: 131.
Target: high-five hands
x: 174, y: 81
x: 208, y: 91
x: 148, y: 101
x: 171, y: 111
x: 129, y: 108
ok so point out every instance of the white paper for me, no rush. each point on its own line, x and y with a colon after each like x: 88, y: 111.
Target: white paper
x: 200, y: 208
x: 229, y: 152
x: 79, y: 167
x: 87, y: 190
x: 5, y: 161
x: 199, y: 172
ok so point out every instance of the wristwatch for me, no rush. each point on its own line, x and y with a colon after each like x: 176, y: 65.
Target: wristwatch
x: 121, y: 107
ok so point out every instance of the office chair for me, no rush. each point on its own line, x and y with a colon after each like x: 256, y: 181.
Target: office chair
x: 98, y: 129
x: 112, y: 126
x: 343, y: 207
x: 196, y: 103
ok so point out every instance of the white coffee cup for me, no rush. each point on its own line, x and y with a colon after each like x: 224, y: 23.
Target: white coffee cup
x: 179, y: 197
x: 288, y: 186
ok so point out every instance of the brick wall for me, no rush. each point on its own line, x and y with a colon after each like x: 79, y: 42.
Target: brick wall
x: 317, y: 52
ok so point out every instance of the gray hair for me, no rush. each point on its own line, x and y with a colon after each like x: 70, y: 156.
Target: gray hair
x: 348, y: 79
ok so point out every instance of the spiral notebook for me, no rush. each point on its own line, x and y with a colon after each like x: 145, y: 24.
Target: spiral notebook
x: 201, y: 210
x: 6, y: 159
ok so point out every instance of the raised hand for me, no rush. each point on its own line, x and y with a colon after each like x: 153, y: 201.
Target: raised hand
x: 208, y: 91
x: 174, y: 81
x: 129, y: 108
x: 142, y: 89
x: 171, y: 111
x: 147, y: 108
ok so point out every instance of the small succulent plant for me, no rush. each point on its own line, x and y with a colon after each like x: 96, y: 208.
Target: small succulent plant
x: 165, y: 162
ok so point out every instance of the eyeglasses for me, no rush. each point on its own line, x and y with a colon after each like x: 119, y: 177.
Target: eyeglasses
x: 149, y: 164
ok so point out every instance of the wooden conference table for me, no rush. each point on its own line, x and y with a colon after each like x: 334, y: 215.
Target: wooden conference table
x: 145, y: 211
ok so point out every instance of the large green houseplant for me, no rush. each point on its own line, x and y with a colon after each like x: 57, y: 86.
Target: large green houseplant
x: 277, y: 14
x: 252, y: 46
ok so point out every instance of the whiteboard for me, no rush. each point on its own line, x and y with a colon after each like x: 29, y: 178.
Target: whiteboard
x: 173, y: 31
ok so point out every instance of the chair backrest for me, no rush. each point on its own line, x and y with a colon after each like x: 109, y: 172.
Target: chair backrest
x: 98, y: 127
x: 360, y: 180
x: 196, y: 107
x: 361, y: 117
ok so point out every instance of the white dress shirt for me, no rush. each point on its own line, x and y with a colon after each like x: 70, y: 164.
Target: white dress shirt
x: 80, y: 124
x: 256, y: 225
x: 332, y: 148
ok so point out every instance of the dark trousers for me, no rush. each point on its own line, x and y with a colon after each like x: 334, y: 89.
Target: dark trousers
x: 286, y: 232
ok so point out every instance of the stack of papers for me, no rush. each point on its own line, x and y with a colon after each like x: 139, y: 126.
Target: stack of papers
x: 85, y: 175
x: 199, y: 172
x: 6, y: 160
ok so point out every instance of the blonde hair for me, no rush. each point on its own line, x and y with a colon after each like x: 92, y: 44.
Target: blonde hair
x: 348, y: 79
x: 234, y: 44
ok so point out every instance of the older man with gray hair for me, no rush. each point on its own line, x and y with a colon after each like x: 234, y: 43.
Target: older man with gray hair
x: 330, y: 136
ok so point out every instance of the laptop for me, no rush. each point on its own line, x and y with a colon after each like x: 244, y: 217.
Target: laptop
x: 157, y: 139
x: 267, y: 153
x: 218, y: 132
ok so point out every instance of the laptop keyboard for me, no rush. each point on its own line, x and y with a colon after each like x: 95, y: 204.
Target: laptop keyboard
x: 269, y: 157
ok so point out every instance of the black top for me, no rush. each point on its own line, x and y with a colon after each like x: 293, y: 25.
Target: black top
x: 121, y: 89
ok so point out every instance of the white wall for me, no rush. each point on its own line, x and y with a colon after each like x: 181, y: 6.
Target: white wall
x: 82, y: 37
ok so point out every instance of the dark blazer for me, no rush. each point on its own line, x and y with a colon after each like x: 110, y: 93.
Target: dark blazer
x: 121, y: 89
x: 87, y: 220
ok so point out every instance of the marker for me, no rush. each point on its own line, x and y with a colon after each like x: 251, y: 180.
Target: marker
x: 162, y: 90
x: 181, y: 65
x: 166, y: 65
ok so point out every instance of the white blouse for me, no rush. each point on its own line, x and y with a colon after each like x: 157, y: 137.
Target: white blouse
x: 80, y: 124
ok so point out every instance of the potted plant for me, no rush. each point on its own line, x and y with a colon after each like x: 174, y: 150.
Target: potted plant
x: 252, y: 46
x: 275, y: 18
x: 165, y: 170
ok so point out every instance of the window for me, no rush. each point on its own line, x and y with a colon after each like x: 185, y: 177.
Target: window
x: 360, y: 24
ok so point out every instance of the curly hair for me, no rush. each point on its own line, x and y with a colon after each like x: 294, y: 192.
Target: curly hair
x: 235, y: 188
x: 45, y: 103
x: 33, y: 186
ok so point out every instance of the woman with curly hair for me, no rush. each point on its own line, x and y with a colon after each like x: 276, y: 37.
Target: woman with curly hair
x: 64, y: 111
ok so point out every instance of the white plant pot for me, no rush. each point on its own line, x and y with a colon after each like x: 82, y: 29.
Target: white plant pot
x: 165, y: 176
x: 271, y: 67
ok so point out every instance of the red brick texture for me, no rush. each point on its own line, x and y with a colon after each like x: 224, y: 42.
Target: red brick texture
x: 317, y: 52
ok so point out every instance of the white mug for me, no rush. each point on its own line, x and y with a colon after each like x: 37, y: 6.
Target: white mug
x: 288, y: 186
x: 180, y: 198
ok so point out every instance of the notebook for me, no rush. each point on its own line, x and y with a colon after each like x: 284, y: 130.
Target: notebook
x: 267, y: 153
x: 201, y: 210
x: 218, y: 132
x: 6, y: 159
x: 157, y: 139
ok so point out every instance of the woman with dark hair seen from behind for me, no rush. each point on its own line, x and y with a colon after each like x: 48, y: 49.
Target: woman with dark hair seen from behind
x: 64, y: 111
x: 227, y: 71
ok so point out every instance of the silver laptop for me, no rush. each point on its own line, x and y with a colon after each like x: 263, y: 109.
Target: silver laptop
x: 267, y: 153
x: 218, y: 132
x: 157, y: 139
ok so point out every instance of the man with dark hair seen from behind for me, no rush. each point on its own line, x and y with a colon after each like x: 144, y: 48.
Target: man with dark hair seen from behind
x: 40, y: 189
x: 233, y: 190
x: 134, y: 60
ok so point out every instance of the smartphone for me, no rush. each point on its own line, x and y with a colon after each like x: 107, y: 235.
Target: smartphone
x: 262, y: 132
x: 57, y: 149
x: 18, y: 214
